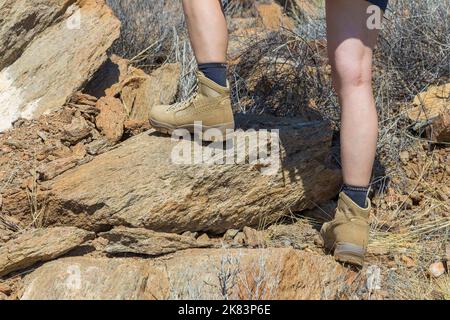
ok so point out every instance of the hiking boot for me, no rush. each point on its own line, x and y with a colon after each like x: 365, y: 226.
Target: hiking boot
x: 348, y: 234
x: 210, y: 105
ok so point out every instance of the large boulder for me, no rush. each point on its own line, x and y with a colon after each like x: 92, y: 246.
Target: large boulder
x: 22, y: 20
x: 53, y: 48
x: 193, y: 274
x: 143, y: 183
x: 39, y: 245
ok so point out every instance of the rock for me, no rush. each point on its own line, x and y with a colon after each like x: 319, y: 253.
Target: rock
x: 433, y: 102
x: 3, y: 297
x: 98, y: 146
x: 133, y: 125
x: 272, y: 16
x: 432, y: 110
x: 56, y: 167
x: 147, y: 242
x: 436, y: 269
x: 111, y: 118
x: 42, y: 135
x: 253, y: 238
x: 61, y: 44
x: 404, y: 157
x: 230, y: 234
x: 15, y: 144
x: 161, y: 88
x: 50, y: 170
x: 5, y: 235
x: 141, y: 183
x: 239, y: 239
x: 22, y: 21
x: 190, y: 234
x: 77, y: 130
x: 203, y: 238
x: 140, y: 92
x: 408, y: 261
x: 88, y: 279
x: 80, y: 98
x: 39, y: 245
x: 373, y: 281
x: 191, y: 274
x: 440, y: 129
x: 88, y: 112
x: 5, y: 289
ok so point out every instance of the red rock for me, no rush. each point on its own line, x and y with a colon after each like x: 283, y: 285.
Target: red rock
x: 432, y: 111
x: 272, y: 17
x: 111, y: 118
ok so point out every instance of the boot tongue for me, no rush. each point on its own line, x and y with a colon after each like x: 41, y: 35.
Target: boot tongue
x: 209, y: 88
x: 205, y: 90
x: 346, y: 204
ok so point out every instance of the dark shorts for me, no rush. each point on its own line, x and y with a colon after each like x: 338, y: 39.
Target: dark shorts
x: 381, y: 3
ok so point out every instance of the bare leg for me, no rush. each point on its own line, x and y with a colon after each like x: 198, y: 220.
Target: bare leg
x: 350, y: 46
x: 207, y: 30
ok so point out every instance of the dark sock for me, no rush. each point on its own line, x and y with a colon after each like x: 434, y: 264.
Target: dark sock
x: 357, y: 194
x: 216, y: 72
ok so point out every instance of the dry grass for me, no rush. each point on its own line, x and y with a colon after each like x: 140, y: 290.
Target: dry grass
x: 408, y: 239
x: 32, y: 194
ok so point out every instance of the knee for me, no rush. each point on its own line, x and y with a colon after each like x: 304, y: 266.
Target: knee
x: 351, y: 71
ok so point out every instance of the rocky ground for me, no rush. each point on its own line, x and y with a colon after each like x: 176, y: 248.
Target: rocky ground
x: 87, y: 189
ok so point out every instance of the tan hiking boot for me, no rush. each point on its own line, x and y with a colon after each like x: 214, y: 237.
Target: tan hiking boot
x: 348, y: 234
x: 210, y: 105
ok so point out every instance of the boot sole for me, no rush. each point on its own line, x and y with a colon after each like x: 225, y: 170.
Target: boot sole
x: 169, y: 129
x: 349, y: 253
